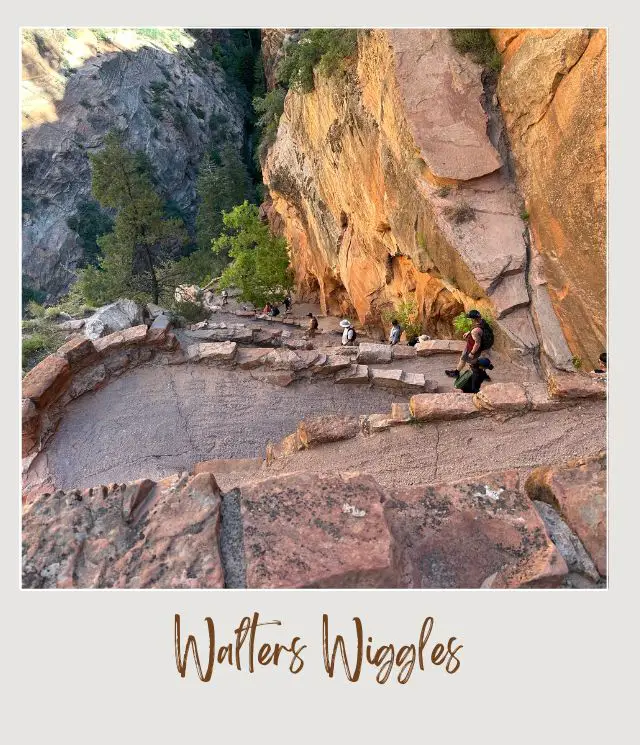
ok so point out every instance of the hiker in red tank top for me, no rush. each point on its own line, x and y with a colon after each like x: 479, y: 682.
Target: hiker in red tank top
x: 472, y: 347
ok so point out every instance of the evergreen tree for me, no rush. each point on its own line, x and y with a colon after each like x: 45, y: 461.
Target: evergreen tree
x: 142, y: 237
x: 259, y: 260
x: 220, y: 187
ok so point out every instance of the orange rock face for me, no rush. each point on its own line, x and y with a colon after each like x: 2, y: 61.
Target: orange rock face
x: 552, y: 92
x: 370, y: 177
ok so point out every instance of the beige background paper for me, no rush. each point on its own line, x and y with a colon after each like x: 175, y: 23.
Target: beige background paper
x: 537, y: 666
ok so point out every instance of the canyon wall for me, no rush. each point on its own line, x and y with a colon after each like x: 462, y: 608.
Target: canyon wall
x: 552, y: 91
x: 166, y: 98
x: 395, y: 180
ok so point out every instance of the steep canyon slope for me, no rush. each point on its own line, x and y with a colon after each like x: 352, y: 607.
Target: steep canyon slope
x: 394, y: 180
x: 168, y: 99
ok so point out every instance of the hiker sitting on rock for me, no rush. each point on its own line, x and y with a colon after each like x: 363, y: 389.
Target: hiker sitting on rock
x: 275, y: 311
x: 470, y: 380
x: 349, y: 333
x: 395, y: 333
x: 312, y: 328
x: 478, y: 339
x: 601, y: 374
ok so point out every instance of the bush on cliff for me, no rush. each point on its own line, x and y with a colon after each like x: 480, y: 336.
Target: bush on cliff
x: 478, y: 44
x: 325, y: 48
x: 406, y: 314
x: 259, y: 265
x: 269, y: 109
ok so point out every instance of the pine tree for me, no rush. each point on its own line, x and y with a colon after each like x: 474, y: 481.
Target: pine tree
x: 220, y: 187
x: 142, y: 237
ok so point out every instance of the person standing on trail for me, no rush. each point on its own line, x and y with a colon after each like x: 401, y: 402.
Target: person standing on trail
x: 287, y: 304
x: 313, y: 325
x: 395, y: 333
x: 349, y: 333
x: 225, y: 297
x: 478, y: 339
x: 471, y: 380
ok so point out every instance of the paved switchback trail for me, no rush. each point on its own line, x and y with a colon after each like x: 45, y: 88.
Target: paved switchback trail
x: 155, y: 421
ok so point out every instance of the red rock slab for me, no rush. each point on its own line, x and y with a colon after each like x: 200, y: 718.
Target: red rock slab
x: 250, y: 358
x: 427, y: 407
x: 578, y: 490
x: 299, y: 531
x: 30, y: 426
x: 127, y: 337
x: 77, y: 351
x: 539, y: 398
x: 46, y: 381
x: 472, y: 533
x: 503, y: 397
x: 439, y: 346
x: 141, y: 535
x: 575, y: 385
x: 330, y: 428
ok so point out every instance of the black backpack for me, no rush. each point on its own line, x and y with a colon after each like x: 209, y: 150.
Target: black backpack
x: 351, y: 334
x: 487, y: 336
x: 275, y: 311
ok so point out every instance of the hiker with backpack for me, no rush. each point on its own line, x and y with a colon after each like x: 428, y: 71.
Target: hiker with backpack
x: 470, y: 380
x: 395, y: 333
x: 313, y: 325
x: 479, y: 339
x: 349, y: 333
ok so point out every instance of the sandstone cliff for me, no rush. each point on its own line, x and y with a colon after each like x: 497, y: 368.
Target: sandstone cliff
x: 79, y: 83
x: 552, y: 90
x: 395, y: 180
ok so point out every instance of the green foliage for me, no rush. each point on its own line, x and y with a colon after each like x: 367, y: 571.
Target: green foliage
x: 524, y: 214
x: 325, y: 49
x: 259, y: 260
x: 90, y: 222
x: 406, y: 313
x: 35, y: 310
x: 72, y: 304
x: 237, y: 55
x: 167, y: 37
x: 29, y: 294
x: 478, y: 44
x: 219, y: 187
x: 142, y: 237
x: 190, y: 311
x: 269, y: 109
x: 462, y: 324
x: 40, y: 337
x: 577, y: 362
x: 421, y: 240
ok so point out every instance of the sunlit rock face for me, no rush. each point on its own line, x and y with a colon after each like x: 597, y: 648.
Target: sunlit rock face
x: 552, y: 91
x: 386, y: 184
x: 77, y: 85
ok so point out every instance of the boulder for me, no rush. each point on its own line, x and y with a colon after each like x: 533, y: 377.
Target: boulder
x: 353, y: 374
x: 114, y: 317
x: 428, y: 407
x: 312, y: 432
x: 73, y: 325
x: 187, y: 294
x: 141, y: 535
x: 346, y: 350
x: 162, y: 321
x: 46, y: 381
x: 439, y: 346
x: 575, y: 385
x: 378, y: 422
x: 287, y: 446
x: 223, y: 351
x: 155, y: 310
x: 578, y: 490
x: 315, y: 531
x: 387, y: 379
x: 400, y: 414
x: 400, y: 352
x: 373, y: 354
x: 502, y: 397
x: 333, y: 364
x: 287, y: 359
x: 281, y: 378
x: 87, y: 380
x: 77, y: 352
x: 567, y: 542
x: 249, y: 358
x: 126, y: 338
x: 469, y: 534
x: 297, y: 344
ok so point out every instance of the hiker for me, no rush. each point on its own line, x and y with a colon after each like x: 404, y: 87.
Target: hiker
x: 275, y: 311
x: 470, y: 380
x: 266, y: 310
x: 603, y: 362
x: 313, y: 325
x: 287, y: 304
x: 478, y: 339
x: 225, y: 296
x: 395, y: 333
x: 349, y: 333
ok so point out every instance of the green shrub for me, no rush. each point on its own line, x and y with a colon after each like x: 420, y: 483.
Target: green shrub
x: 524, y: 214
x: 406, y: 313
x: 40, y: 338
x: 269, y: 109
x: 577, y: 362
x: 462, y: 324
x: 190, y: 311
x: 325, y: 49
x: 35, y: 310
x: 478, y: 44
